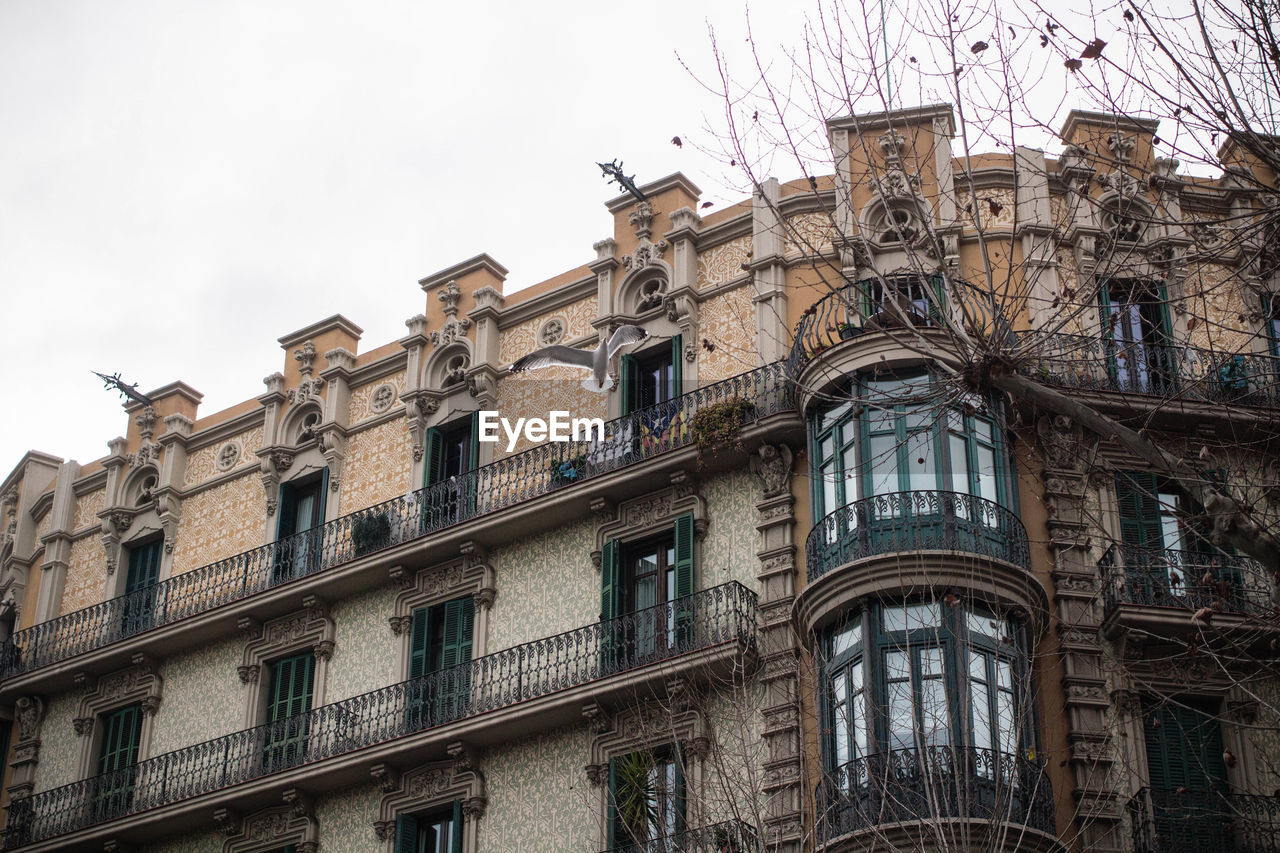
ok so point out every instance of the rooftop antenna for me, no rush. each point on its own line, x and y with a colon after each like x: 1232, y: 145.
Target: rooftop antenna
x: 613, y: 171
x: 129, y: 392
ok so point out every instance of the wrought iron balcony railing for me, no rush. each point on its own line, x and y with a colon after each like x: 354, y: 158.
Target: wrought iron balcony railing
x: 1216, y: 821
x: 934, y: 782
x: 521, y: 477
x: 858, y: 307
x: 1184, y: 372
x: 730, y: 836
x: 1189, y: 580
x: 721, y: 615
x: 916, y: 521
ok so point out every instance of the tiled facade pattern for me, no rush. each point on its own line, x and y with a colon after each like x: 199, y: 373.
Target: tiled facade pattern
x: 375, y: 469
x: 219, y: 522
x: 202, y: 463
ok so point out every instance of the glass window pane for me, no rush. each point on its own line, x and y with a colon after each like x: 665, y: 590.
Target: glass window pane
x: 983, y: 624
x: 846, y: 638
x: 895, y: 666
x: 1006, y: 725
x: 911, y: 617
x: 1004, y: 675
x: 880, y: 419
x: 981, y: 705
x: 851, y: 493
x: 900, y: 724
x: 828, y: 474
x: 922, y: 466
x: 959, y: 463
x: 884, y: 464
x: 987, y: 473
x: 931, y: 662
x: 935, y: 721
x: 982, y: 429
x: 826, y: 448
x: 1170, y: 533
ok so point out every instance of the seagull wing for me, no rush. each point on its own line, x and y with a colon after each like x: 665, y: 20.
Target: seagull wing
x: 624, y: 336
x: 554, y: 355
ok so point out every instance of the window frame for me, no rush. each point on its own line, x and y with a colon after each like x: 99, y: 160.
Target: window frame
x: 955, y: 635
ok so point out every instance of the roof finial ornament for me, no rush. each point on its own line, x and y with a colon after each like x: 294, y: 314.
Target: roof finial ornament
x: 129, y: 392
x: 613, y: 171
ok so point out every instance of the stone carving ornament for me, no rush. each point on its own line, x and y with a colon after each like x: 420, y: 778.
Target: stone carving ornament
x: 29, y: 712
x: 384, y: 396
x: 772, y: 466
x: 552, y: 332
x: 228, y: 456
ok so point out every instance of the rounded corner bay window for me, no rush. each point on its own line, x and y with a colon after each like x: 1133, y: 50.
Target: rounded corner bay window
x: 925, y: 692
x: 898, y: 466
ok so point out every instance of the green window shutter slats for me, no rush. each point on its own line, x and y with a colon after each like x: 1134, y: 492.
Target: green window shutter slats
x: 144, y: 566
x: 286, y: 512
x: 473, y: 452
x: 406, y: 834
x: 120, y: 733
x: 418, y: 636
x: 677, y: 373
x: 1184, y: 748
x: 433, y: 470
x: 610, y: 585
x: 291, y: 683
x: 627, y: 384
x: 455, y: 831
x: 684, y: 555
x: 1139, y: 509
x: 459, y: 623
x: 678, y: 795
x: 612, y: 817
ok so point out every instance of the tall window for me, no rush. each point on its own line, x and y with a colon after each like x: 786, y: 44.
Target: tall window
x: 452, y: 450
x: 298, y: 527
x: 890, y: 298
x: 651, y: 377
x: 139, y: 588
x: 1137, y: 333
x: 646, y: 801
x: 117, y: 762
x: 892, y: 437
x: 288, y: 707
x: 922, y: 676
x: 648, y: 580
x: 430, y: 832
x: 440, y: 644
x: 1185, y: 766
x: 1165, y: 551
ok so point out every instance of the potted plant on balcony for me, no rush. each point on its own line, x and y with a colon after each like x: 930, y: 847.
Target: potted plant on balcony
x: 720, y: 424
x: 370, y: 532
x: 847, y: 331
x: 1233, y: 376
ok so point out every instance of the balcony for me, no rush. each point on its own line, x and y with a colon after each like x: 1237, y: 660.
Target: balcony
x: 516, y: 479
x: 1184, y: 372
x: 910, y: 797
x: 917, y: 540
x: 1156, y: 590
x: 1204, y: 820
x: 730, y: 836
x: 711, y: 628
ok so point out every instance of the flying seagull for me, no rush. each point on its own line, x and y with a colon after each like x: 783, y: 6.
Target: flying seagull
x: 596, y: 361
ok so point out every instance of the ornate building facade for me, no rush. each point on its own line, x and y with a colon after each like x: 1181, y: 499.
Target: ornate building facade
x: 824, y: 584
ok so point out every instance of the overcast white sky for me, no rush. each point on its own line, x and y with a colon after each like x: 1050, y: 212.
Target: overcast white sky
x: 183, y: 182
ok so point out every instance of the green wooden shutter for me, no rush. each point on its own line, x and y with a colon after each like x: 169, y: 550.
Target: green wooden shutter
x: 678, y: 795
x: 459, y: 625
x: 627, y: 384
x: 433, y: 470
x: 1104, y: 309
x: 612, y: 817
x: 144, y: 566
x: 677, y: 372
x: 418, y: 637
x: 406, y: 833
x: 120, y: 732
x: 1139, y: 509
x: 456, y: 846
x: 684, y: 555
x: 684, y: 611
x: 610, y: 583
x: 474, y: 450
x: 291, y: 683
